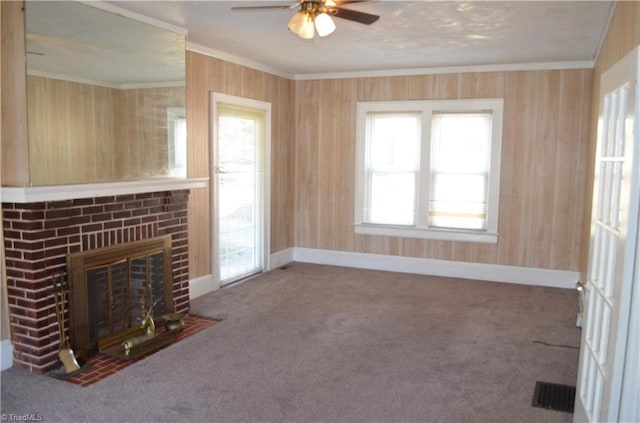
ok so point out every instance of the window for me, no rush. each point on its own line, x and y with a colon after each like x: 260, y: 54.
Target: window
x: 429, y: 169
x: 177, y: 142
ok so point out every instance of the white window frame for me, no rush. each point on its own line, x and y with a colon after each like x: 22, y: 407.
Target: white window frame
x: 427, y: 108
x: 174, y: 152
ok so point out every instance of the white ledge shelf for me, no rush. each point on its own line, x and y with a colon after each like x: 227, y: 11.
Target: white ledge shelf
x: 69, y: 192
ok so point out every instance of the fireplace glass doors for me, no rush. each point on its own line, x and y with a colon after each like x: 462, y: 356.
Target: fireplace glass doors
x: 112, y: 286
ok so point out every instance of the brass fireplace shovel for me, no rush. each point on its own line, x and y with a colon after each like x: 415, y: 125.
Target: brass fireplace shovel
x: 66, y: 355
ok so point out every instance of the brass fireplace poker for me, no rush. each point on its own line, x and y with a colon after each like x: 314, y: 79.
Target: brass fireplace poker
x: 65, y: 353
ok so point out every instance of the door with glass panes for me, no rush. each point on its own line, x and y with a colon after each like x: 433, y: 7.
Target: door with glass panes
x: 240, y: 187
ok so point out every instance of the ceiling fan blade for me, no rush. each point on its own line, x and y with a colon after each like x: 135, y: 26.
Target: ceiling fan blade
x: 281, y: 6
x: 354, y: 15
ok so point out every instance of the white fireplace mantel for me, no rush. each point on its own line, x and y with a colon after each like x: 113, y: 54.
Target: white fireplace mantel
x: 24, y: 195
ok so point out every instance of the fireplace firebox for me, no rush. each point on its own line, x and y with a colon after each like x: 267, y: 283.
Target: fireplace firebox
x: 112, y: 286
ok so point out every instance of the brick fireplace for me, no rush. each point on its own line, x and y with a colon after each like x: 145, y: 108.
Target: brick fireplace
x: 40, y: 235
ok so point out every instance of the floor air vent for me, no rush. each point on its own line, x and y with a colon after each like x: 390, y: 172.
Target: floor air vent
x: 553, y: 396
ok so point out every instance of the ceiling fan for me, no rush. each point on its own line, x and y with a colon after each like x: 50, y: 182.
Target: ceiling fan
x: 314, y: 16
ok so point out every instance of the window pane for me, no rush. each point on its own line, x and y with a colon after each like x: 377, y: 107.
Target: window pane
x: 458, y: 201
x: 459, y: 188
x: 461, y: 142
x: 393, y: 154
x: 394, y: 141
x: 392, y: 198
x: 460, y: 155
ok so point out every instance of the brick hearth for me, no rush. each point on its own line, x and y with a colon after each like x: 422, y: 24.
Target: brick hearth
x: 38, y: 237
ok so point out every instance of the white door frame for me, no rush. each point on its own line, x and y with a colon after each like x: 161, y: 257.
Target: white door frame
x: 629, y: 404
x: 616, y: 389
x: 219, y: 98
x: 630, y: 377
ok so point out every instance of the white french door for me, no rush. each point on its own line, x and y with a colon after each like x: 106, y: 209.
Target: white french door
x: 240, y: 208
x: 606, y: 347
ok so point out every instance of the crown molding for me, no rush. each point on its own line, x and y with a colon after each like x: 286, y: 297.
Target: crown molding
x: 207, y: 51
x: 514, y: 67
x: 106, y: 84
x: 108, y: 7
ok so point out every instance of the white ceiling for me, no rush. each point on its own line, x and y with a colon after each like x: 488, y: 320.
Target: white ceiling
x: 410, y: 35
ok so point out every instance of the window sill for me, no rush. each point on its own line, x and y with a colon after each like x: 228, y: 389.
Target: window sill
x: 424, y: 233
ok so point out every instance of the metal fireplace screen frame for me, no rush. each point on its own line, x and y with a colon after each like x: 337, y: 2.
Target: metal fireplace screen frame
x: 94, y: 273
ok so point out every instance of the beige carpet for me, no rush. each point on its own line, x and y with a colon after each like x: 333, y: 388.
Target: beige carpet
x: 318, y: 343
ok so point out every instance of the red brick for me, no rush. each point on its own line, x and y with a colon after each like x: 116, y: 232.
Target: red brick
x: 94, y: 227
x: 27, y: 225
x: 149, y: 219
x: 83, y: 202
x: 133, y: 205
x: 60, y: 213
x: 103, y: 200
x: 122, y: 215
x: 54, y: 242
x: 132, y: 222
x: 113, y: 224
x: 11, y: 214
x: 68, y: 231
x: 30, y: 206
x: 14, y: 254
x: 12, y: 273
x: 29, y: 236
x: 59, y: 204
x: 113, y: 207
x: 92, y: 210
x: 58, y: 223
x: 124, y: 198
x: 57, y: 251
x: 140, y: 212
x: 34, y: 255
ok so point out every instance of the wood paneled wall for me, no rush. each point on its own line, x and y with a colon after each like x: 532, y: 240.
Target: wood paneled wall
x: 71, y: 131
x: 206, y: 75
x: 622, y: 36
x: 80, y: 133
x: 15, y: 154
x: 545, y: 146
x: 141, y: 147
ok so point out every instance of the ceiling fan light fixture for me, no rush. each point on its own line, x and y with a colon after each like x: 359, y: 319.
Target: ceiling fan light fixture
x: 301, y: 24
x: 324, y: 24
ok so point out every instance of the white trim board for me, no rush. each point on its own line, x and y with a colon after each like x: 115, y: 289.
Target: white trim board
x: 421, y: 266
x: 516, y: 67
x: 108, y: 7
x: 231, y: 58
x: 281, y: 258
x: 455, y: 269
x: 35, y: 194
x: 200, y: 286
x: 237, y: 60
x: 6, y: 354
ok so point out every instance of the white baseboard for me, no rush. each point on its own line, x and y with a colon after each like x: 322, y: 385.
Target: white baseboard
x: 421, y: 266
x: 6, y: 354
x: 456, y: 269
x: 200, y: 286
x: 281, y: 258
